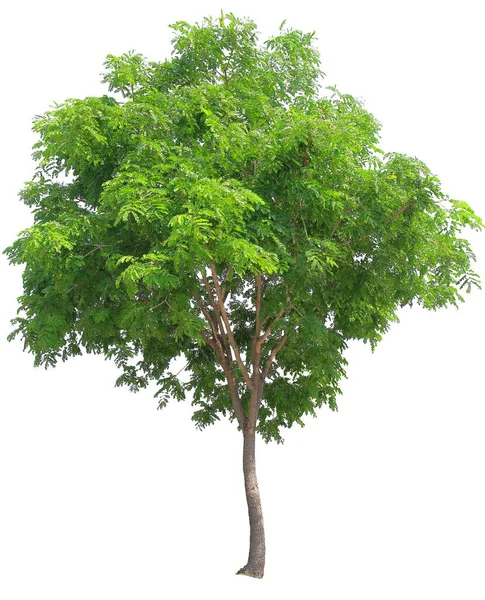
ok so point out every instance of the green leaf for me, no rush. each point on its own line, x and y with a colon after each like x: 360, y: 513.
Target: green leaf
x: 226, y: 172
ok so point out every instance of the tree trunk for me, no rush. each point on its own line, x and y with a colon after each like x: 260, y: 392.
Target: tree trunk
x: 257, y: 548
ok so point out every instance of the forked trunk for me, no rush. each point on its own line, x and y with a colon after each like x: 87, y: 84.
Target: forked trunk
x: 257, y: 548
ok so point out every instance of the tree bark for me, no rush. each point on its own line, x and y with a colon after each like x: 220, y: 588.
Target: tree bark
x: 257, y: 547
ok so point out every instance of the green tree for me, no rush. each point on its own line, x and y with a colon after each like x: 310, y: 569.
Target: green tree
x: 222, y: 207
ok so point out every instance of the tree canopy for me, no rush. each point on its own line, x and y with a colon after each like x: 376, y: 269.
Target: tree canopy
x: 223, y: 206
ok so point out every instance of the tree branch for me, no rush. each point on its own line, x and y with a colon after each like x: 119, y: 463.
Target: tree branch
x: 225, y: 364
x: 274, y: 352
x: 225, y: 318
x: 267, y: 333
x: 225, y: 292
x: 97, y: 247
x: 216, y: 342
x: 258, y: 306
x: 217, y: 314
x: 160, y: 304
x: 257, y: 390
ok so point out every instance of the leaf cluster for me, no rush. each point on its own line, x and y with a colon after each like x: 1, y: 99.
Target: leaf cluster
x: 228, y: 154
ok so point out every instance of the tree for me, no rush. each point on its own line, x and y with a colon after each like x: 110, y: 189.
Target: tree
x: 222, y: 207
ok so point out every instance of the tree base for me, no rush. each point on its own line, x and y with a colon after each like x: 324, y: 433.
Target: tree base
x: 256, y: 573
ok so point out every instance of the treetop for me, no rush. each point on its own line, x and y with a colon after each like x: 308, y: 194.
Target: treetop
x: 220, y: 192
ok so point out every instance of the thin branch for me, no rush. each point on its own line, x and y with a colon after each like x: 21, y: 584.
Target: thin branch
x: 265, y: 320
x: 208, y: 340
x: 401, y: 210
x: 225, y: 292
x: 224, y: 360
x: 205, y: 335
x: 97, y: 247
x: 231, y: 380
x: 160, y: 304
x: 258, y: 305
x: 216, y: 341
x: 228, y: 328
x: 208, y: 318
x: 217, y: 314
x: 304, y: 227
x: 182, y: 369
x: 267, y: 333
x: 274, y: 352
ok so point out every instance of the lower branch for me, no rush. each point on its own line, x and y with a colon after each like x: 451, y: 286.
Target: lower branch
x: 274, y: 352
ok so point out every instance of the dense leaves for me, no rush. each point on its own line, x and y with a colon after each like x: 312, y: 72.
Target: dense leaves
x: 221, y: 206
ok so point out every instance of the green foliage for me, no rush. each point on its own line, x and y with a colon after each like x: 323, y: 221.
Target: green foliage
x: 227, y: 154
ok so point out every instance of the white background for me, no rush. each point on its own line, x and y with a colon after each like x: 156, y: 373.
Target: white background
x: 104, y: 497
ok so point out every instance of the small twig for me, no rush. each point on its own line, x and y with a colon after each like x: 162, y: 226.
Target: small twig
x: 160, y: 304
x: 267, y: 333
x: 225, y: 293
x: 182, y: 369
x: 97, y: 247
x: 276, y: 349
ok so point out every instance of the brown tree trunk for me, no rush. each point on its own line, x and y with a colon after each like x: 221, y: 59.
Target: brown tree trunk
x: 257, y: 548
